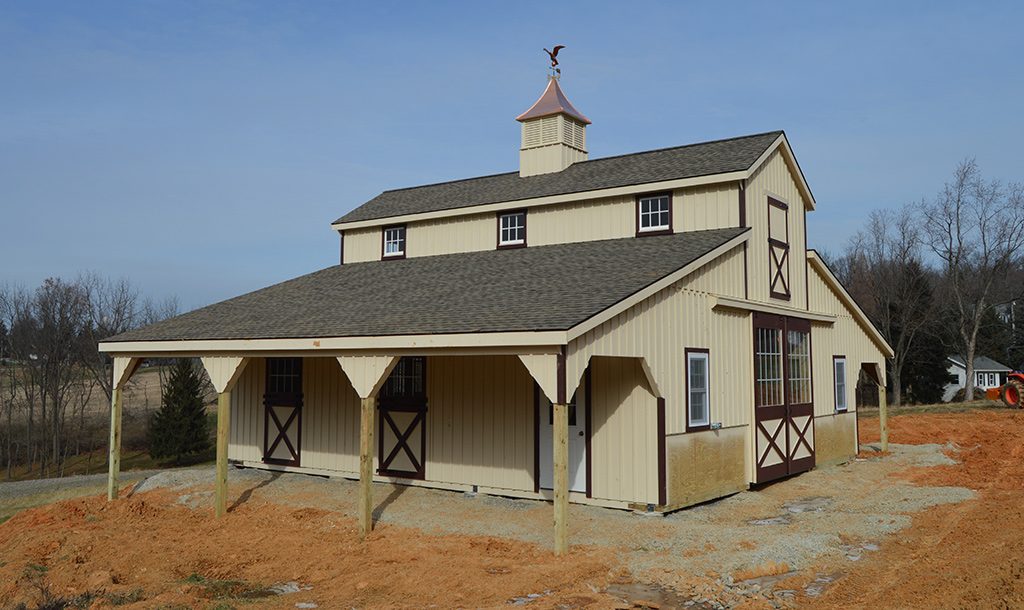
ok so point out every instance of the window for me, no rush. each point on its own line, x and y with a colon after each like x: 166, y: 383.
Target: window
x: 394, y: 242
x: 406, y: 381
x: 778, y: 249
x: 697, y: 397
x: 768, y: 367
x: 799, y: 358
x: 654, y: 214
x: 512, y: 229
x: 284, y: 375
x: 839, y: 372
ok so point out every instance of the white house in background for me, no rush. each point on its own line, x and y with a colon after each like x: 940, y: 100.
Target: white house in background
x: 987, y: 374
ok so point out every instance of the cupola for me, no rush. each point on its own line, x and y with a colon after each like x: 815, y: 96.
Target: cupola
x: 554, y: 133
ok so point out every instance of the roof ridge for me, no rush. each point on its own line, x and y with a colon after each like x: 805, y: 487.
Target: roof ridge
x: 588, y: 161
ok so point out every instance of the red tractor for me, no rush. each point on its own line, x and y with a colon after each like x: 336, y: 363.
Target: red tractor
x: 1012, y: 392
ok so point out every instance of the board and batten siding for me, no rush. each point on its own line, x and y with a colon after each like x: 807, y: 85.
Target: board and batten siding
x: 245, y: 442
x: 624, y: 432
x: 844, y: 338
x: 775, y: 178
x: 712, y: 206
x: 661, y: 327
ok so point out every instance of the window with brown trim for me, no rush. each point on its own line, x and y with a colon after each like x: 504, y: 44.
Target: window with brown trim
x: 512, y: 229
x: 778, y: 249
x: 654, y: 214
x: 698, y: 392
x: 393, y: 242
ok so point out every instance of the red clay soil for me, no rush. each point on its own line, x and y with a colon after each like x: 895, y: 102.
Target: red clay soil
x: 967, y: 555
x: 150, y: 549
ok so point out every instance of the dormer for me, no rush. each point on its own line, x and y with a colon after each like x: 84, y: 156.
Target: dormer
x: 554, y: 133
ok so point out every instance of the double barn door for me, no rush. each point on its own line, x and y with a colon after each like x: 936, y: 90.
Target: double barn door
x: 783, y: 403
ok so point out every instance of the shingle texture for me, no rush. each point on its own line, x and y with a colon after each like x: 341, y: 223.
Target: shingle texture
x: 528, y: 289
x: 982, y: 363
x: 689, y: 161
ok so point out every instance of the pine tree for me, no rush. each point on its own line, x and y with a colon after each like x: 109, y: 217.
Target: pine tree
x: 179, y: 428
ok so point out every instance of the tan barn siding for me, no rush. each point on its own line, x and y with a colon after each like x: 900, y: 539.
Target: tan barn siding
x: 624, y: 432
x: 774, y: 178
x: 715, y: 206
x: 835, y: 438
x: 330, y: 417
x: 480, y: 422
x: 844, y: 338
x: 362, y: 245
x: 705, y: 465
x: 245, y: 442
x: 607, y: 218
x: 661, y: 327
x: 468, y: 233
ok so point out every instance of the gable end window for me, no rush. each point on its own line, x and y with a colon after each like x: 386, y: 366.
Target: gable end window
x: 654, y: 214
x: 512, y: 229
x: 839, y: 374
x: 393, y: 239
x: 778, y: 249
x: 698, y: 396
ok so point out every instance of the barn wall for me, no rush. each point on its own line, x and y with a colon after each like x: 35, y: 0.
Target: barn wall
x: 835, y: 438
x: 774, y: 177
x: 706, y: 465
x: 705, y: 207
x: 624, y: 432
x: 245, y: 442
x: 480, y: 422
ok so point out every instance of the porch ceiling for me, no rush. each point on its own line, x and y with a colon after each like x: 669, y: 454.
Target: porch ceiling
x: 535, y: 289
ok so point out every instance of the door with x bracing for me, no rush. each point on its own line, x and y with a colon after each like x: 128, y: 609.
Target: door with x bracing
x: 402, y: 421
x: 282, y: 412
x: 783, y: 403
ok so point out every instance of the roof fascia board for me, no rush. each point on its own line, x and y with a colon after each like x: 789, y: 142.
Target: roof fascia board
x: 732, y: 303
x: 826, y: 274
x: 469, y: 342
x: 516, y: 204
x: 645, y: 293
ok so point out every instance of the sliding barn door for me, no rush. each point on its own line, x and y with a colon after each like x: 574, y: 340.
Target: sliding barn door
x: 783, y: 405
x: 282, y: 412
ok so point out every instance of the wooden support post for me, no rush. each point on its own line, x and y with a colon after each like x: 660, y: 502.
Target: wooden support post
x: 883, y: 416
x: 560, y: 452
x: 223, y: 428
x: 365, y: 509
x: 114, y: 461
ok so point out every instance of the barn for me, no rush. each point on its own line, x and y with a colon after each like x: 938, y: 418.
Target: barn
x: 646, y: 331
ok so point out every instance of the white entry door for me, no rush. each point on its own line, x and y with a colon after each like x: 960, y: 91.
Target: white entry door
x: 577, y: 443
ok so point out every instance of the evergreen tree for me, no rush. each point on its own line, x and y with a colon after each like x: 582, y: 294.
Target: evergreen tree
x: 179, y: 428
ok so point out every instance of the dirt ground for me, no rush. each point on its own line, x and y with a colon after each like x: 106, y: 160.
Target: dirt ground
x: 933, y: 524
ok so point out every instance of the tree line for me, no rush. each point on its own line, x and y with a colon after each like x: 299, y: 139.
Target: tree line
x: 942, y: 277
x: 51, y: 369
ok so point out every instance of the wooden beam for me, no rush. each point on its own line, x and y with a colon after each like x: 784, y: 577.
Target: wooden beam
x: 365, y: 508
x: 114, y: 462
x: 223, y: 429
x: 883, y: 416
x: 560, y: 420
x: 124, y: 368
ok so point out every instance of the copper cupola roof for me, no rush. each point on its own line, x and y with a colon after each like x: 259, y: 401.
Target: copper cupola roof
x: 552, y: 102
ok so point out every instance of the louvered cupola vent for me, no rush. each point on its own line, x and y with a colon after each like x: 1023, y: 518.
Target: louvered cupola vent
x: 554, y: 133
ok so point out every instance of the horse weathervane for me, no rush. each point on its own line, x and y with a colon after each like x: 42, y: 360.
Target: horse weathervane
x: 553, y: 54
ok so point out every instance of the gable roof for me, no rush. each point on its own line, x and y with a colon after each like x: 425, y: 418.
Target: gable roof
x: 981, y: 363
x: 847, y: 300
x: 539, y: 288
x: 691, y: 161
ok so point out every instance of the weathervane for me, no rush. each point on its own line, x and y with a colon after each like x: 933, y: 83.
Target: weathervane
x: 553, y: 54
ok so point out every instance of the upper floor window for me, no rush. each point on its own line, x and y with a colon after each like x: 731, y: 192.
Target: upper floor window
x: 654, y: 214
x: 512, y: 229
x: 778, y: 248
x: 698, y: 414
x: 394, y: 242
x: 839, y: 370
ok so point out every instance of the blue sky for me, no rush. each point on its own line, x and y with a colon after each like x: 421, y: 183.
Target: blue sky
x: 202, y: 149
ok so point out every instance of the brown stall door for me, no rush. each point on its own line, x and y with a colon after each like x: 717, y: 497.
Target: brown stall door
x: 402, y: 430
x: 282, y: 412
x: 783, y: 407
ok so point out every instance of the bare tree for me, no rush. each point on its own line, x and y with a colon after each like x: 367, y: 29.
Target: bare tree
x: 976, y: 229
x: 114, y: 308
x: 884, y: 271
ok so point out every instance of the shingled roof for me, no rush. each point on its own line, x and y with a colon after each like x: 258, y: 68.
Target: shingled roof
x: 540, y: 288
x: 704, y: 159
